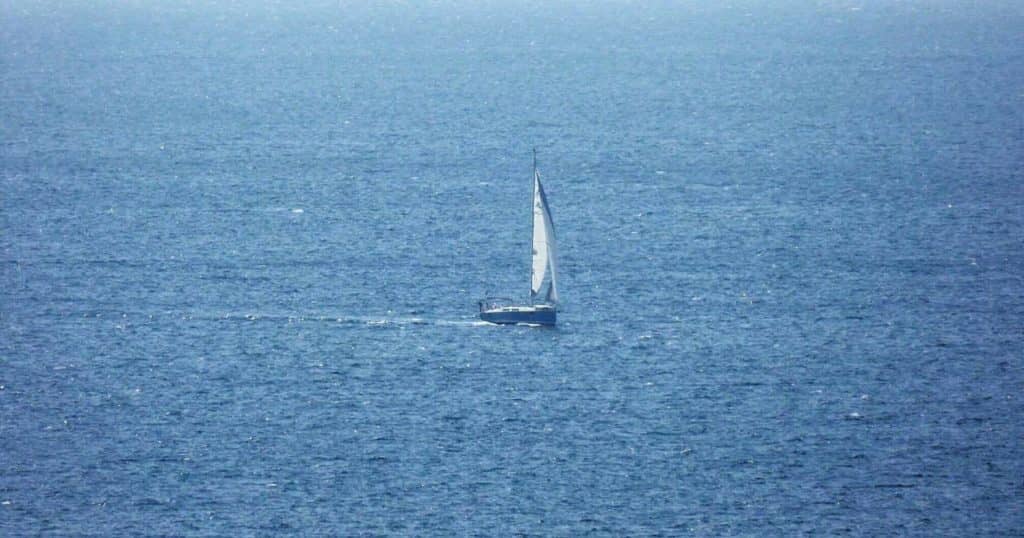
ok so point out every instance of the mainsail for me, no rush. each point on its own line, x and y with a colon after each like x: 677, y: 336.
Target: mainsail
x: 543, y: 243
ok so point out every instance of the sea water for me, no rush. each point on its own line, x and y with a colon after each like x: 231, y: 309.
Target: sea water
x: 242, y: 247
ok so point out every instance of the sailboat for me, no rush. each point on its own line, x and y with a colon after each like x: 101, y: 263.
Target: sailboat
x: 542, y: 308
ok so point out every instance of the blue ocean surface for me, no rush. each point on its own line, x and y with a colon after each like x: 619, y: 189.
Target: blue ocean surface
x: 242, y: 246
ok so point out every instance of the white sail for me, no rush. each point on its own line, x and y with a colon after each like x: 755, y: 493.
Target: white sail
x: 543, y: 243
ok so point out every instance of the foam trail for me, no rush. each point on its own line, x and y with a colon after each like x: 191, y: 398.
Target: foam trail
x: 322, y: 317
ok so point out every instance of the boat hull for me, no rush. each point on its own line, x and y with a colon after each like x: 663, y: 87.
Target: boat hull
x: 527, y: 315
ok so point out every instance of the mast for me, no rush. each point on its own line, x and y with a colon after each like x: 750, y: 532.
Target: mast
x: 533, y: 230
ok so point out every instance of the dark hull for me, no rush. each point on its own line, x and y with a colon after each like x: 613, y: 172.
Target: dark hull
x: 532, y: 317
